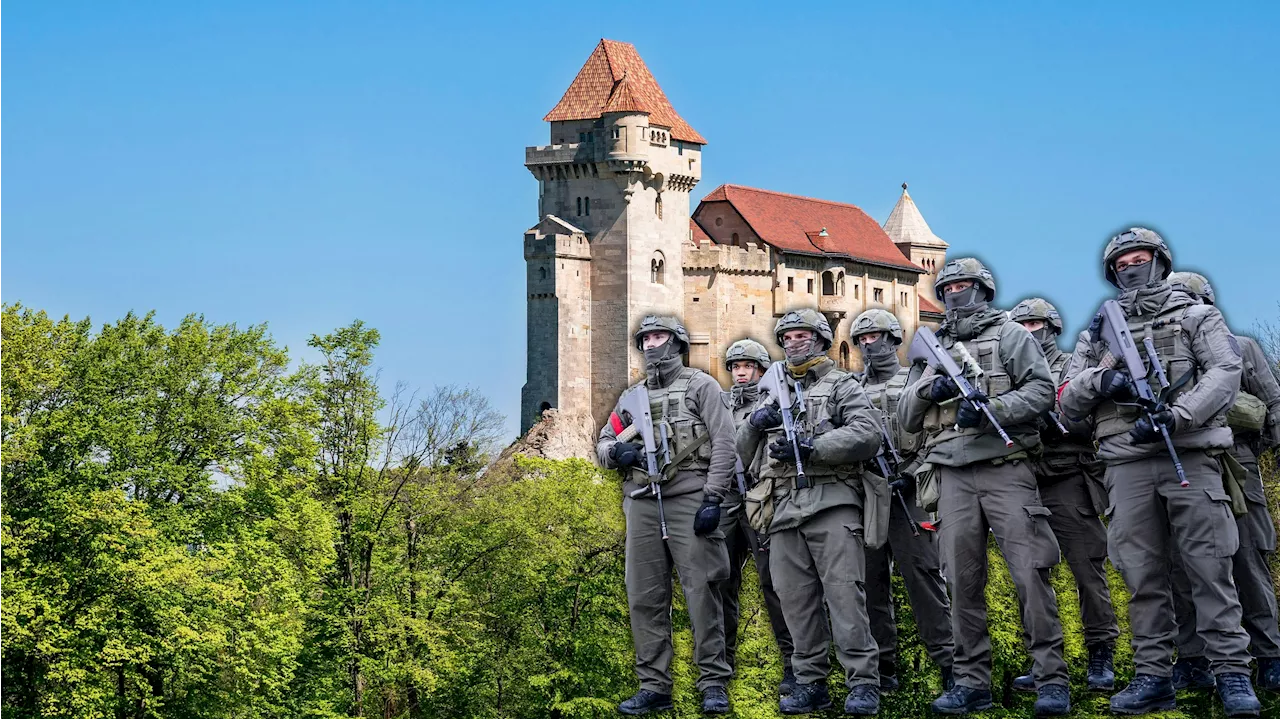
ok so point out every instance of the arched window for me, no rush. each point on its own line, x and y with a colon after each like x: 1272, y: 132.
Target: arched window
x: 735, y: 240
x: 586, y: 206
x: 840, y: 285
x: 579, y: 207
x: 844, y: 355
x: 657, y: 269
x: 543, y: 408
x: 828, y: 283
x: 657, y: 206
x: 542, y: 273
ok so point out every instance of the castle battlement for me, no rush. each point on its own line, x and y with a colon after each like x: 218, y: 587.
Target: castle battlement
x: 750, y: 260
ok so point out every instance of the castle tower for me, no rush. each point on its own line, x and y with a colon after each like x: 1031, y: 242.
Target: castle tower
x: 908, y: 230
x: 613, y: 195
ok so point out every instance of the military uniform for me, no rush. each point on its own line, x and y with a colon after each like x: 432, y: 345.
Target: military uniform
x: 1252, y: 435
x: 1069, y: 476
x: 1151, y: 515
x: 915, y: 556
x: 816, y: 543
x: 985, y: 485
x: 700, y: 427
x: 743, y: 541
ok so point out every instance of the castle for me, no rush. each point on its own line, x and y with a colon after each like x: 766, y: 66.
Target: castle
x: 617, y: 240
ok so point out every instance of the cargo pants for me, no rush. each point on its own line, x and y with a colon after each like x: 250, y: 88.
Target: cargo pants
x: 702, y: 564
x: 1002, y: 498
x: 742, y: 542
x: 824, y: 558
x: 1153, y: 517
x: 1252, y: 574
x: 917, y: 560
x: 1083, y: 539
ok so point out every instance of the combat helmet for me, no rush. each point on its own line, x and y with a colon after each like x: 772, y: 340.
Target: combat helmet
x: 1035, y: 308
x: 744, y: 350
x: 965, y: 268
x: 655, y: 323
x: 1194, y: 284
x: 805, y: 320
x: 1135, y: 238
x: 877, y: 320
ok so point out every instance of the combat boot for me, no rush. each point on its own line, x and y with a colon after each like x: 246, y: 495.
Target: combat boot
x: 961, y: 699
x: 1053, y: 700
x: 863, y: 700
x: 645, y: 702
x: 1269, y: 674
x: 788, y: 684
x: 1192, y: 673
x: 715, y: 700
x: 888, y: 683
x: 1146, y: 693
x: 805, y: 699
x: 1025, y: 683
x: 1102, y: 672
x: 1236, y: 693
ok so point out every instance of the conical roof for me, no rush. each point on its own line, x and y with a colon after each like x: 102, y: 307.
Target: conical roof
x: 615, y: 79
x: 906, y: 224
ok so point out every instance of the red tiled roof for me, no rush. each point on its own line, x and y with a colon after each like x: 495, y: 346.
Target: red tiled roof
x: 696, y: 233
x: 927, y: 306
x: 794, y: 224
x: 593, y: 92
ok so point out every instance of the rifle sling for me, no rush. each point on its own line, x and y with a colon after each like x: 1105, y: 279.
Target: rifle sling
x: 685, y: 452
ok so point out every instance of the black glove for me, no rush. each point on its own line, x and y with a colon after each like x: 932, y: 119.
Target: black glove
x: 707, y: 518
x: 626, y: 454
x: 968, y: 415
x: 905, y: 484
x: 781, y: 450
x: 766, y: 418
x: 1116, y: 385
x: 1146, y: 432
x: 943, y: 389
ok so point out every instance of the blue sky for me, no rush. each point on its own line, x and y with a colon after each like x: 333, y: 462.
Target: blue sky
x: 305, y: 164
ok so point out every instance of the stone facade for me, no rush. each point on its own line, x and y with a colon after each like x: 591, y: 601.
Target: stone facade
x: 617, y: 240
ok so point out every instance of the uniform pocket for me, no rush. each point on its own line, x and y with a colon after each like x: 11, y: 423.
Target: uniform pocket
x: 1044, y: 545
x: 1222, y: 522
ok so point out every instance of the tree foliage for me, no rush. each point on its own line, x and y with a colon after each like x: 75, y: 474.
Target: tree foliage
x: 194, y: 527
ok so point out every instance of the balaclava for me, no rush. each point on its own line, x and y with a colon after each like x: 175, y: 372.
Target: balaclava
x: 1141, y: 275
x: 880, y: 357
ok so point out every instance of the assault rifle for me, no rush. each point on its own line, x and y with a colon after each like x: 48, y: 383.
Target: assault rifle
x: 635, y: 404
x: 776, y: 384
x: 891, y: 474
x: 1114, y: 331
x: 926, y: 348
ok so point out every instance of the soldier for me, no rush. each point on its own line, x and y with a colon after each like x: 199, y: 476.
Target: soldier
x: 1068, y: 487
x: 913, y: 550
x: 1255, y: 424
x: 986, y: 486
x: 1152, y: 515
x: 816, y: 533
x: 695, y: 480
x: 746, y: 361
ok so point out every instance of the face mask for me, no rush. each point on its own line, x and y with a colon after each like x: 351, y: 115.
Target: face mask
x: 880, y: 356
x: 1046, y: 337
x: 965, y: 301
x: 1141, y: 275
x: 664, y: 351
x: 799, y: 351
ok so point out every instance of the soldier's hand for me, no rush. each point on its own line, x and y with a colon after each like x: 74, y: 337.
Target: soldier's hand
x: 626, y: 454
x: 1146, y: 431
x: 781, y: 450
x: 766, y: 418
x: 1116, y: 385
x: 905, y: 484
x: 968, y: 415
x: 707, y: 518
x: 943, y: 389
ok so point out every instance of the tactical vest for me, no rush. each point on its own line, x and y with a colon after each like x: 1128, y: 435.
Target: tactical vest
x: 940, y: 419
x: 1171, y: 334
x: 816, y: 419
x: 885, y: 396
x: 687, y: 437
x: 1061, y: 456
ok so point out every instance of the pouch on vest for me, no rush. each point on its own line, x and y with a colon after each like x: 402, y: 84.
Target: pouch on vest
x: 759, y: 505
x: 876, y: 503
x: 1248, y: 414
x: 1234, y: 476
x: 928, y: 487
